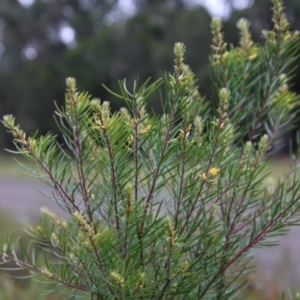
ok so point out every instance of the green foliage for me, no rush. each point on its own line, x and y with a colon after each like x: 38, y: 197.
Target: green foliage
x: 15, y: 282
x: 171, y: 206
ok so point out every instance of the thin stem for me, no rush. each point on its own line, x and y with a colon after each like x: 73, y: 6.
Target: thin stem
x: 58, y: 187
x: 260, y: 236
x: 186, y: 222
x: 182, y: 173
x: 168, y: 278
x: 159, y: 164
x: 49, y: 275
x: 166, y: 138
x: 269, y: 89
x: 79, y: 161
x: 113, y: 172
x: 136, y: 146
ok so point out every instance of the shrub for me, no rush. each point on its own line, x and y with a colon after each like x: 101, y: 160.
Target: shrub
x: 171, y: 206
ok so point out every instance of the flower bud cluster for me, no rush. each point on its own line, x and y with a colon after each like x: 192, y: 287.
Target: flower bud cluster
x: 117, y: 278
x: 283, y: 97
x: 218, y: 46
x: 102, y: 114
x: 279, y: 19
x: 171, y: 235
x: 222, y: 110
x: 246, y: 43
x: 262, y: 148
x: 179, y: 50
x: 58, y: 222
x: 128, y: 195
x: 246, y: 154
x: 281, y: 26
x: 82, y: 222
x: 9, y: 123
x: 47, y: 273
x: 210, y: 175
x: 198, y: 128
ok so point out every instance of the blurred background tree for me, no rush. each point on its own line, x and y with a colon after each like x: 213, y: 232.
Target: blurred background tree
x: 44, y: 41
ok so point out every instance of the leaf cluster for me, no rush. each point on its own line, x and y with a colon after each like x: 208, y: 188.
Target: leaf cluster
x: 167, y: 207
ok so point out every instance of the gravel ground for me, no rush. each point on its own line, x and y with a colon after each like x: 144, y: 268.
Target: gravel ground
x: 280, y: 264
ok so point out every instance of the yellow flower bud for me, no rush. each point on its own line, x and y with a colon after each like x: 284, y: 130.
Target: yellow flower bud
x: 214, y: 171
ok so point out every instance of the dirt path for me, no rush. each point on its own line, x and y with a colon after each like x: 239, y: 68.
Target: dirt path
x: 279, y: 264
